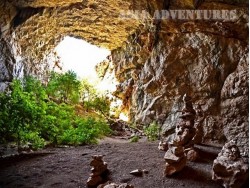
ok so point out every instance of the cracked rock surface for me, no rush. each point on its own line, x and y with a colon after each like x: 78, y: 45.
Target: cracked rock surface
x: 155, y: 61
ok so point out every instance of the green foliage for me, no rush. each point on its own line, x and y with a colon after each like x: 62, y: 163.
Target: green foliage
x: 64, y: 87
x: 88, y: 91
x: 134, y: 139
x: 34, y: 138
x: 100, y: 104
x: 20, y: 111
x: 152, y: 131
x: 92, y: 100
x: 86, y: 132
x: 35, y: 113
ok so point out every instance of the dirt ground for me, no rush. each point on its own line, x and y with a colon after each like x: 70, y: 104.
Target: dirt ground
x: 69, y: 167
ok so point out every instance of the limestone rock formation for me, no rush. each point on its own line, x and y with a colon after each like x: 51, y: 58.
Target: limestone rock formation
x: 155, y: 61
x: 101, y: 68
x: 99, y: 171
x: 206, y: 58
x: 43, y: 3
x: 229, y: 168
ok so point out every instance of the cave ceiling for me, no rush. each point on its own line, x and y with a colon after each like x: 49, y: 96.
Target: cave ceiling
x: 39, y: 25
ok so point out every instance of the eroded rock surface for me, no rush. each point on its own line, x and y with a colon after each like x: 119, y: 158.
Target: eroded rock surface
x: 155, y: 61
x: 208, y: 59
x: 229, y: 168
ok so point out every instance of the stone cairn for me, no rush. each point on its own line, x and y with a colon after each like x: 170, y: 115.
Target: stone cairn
x: 181, y: 147
x: 99, y: 171
x: 229, y: 168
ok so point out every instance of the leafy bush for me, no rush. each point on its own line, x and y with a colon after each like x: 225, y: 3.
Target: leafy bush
x: 86, y: 132
x: 92, y: 100
x: 35, y: 113
x: 152, y: 131
x: 19, y: 112
x: 64, y: 87
x: 134, y: 139
x: 34, y: 138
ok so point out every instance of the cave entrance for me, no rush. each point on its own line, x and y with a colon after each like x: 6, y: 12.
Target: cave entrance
x: 79, y: 56
x: 82, y: 58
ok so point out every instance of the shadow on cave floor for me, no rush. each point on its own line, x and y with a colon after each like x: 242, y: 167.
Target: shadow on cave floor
x: 207, y: 153
x: 10, y: 160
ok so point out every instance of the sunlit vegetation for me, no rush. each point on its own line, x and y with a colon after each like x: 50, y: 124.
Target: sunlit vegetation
x: 152, y: 131
x: 63, y: 111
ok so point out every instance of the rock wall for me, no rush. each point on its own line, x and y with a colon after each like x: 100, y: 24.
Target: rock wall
x: 31, y: 29
x: 155, y: 61
x: 206, y: 59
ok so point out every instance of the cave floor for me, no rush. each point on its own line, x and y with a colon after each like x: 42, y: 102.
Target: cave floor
x: 69, y: 167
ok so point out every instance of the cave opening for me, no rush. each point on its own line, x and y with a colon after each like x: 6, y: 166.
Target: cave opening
x: 90, y: 63
x: 79, y: 56
x: 188, y: 122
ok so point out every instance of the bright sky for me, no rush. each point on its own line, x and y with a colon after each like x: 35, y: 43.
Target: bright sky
x: 80, y: 56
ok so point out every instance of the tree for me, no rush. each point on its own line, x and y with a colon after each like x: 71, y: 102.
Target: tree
x: 64, y: 87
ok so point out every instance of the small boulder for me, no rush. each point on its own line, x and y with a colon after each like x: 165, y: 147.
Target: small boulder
x: 229, y: 168
x: 163, y: 146
x: 137, y: 172
x: 192, y: 155
x: 173, y: 168
x: 114, y: 185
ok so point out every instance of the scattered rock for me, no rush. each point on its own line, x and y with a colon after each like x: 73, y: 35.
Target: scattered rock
x: 192, y: 155
x: 114, y: 185
x: 137, y: 172
x: 163, y: 146
x: 229, y: 168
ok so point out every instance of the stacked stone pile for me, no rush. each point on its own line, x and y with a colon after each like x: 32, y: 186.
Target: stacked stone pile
x: 99, y: 171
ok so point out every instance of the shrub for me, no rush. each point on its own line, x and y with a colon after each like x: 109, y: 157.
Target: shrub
x: 152, y: 131
x: 86, y: 131
x: 34, y: 138
x: 29, y: 114
x: 19, y: 112
x: 64, y: 87
x: 92, y: 100
x: 134, y: 139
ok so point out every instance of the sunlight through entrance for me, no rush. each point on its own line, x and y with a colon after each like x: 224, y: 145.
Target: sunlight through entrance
x: 82, y: 57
